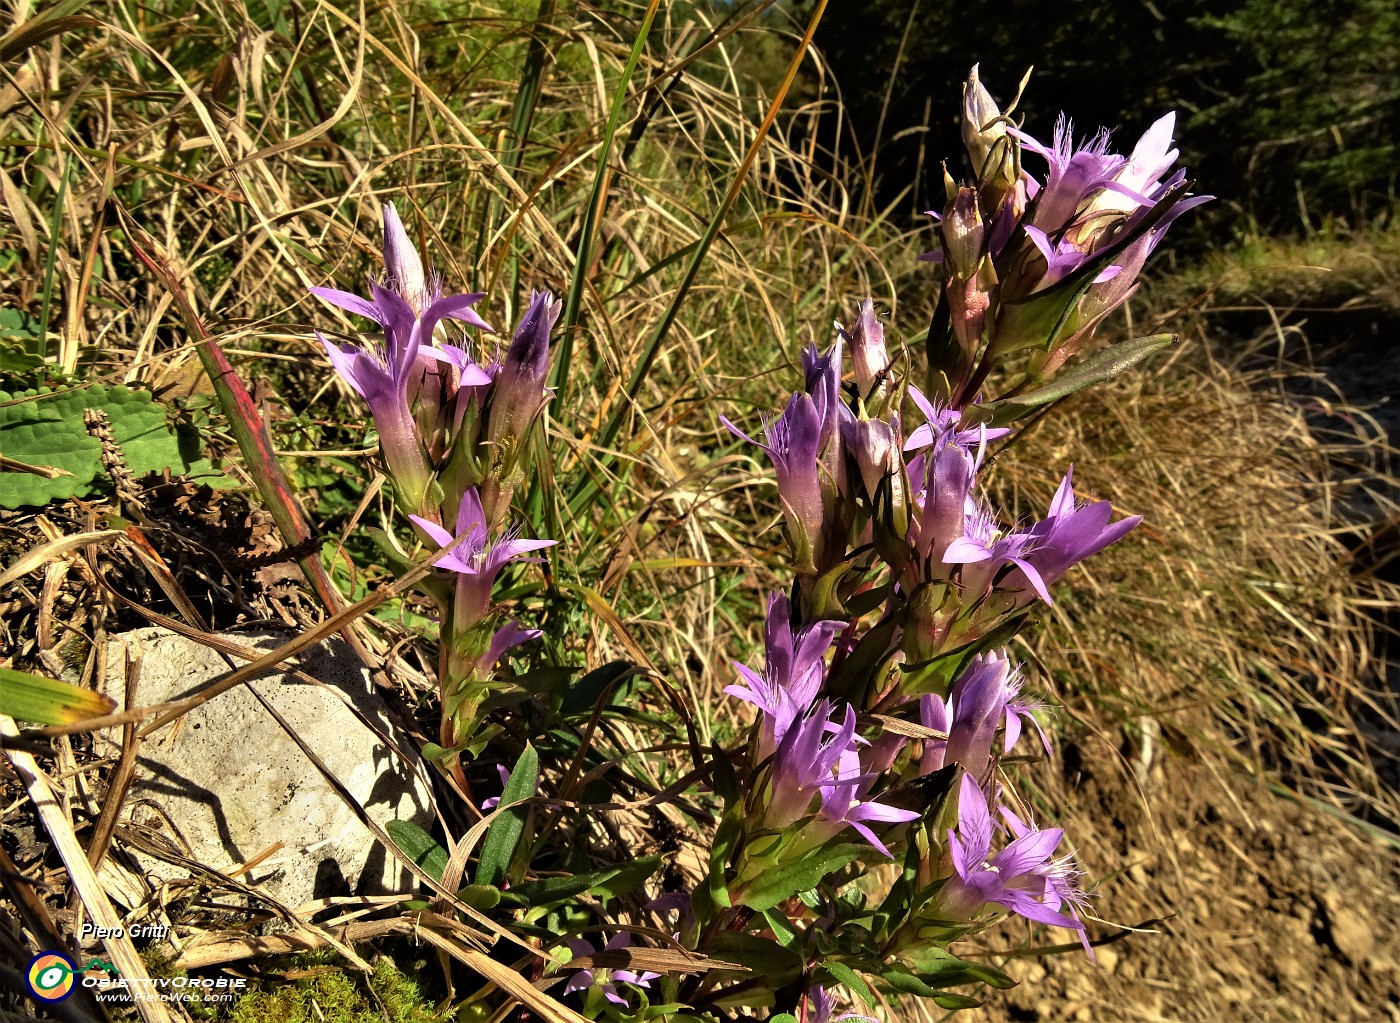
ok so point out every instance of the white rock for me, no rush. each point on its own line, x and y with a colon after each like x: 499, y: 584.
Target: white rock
x: 235, y: 785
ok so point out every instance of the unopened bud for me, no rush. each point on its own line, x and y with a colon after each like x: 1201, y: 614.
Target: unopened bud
x: 401, y: 260
x: 868, y: 352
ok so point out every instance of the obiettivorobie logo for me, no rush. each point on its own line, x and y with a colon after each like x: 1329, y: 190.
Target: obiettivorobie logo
x: 52, y: 976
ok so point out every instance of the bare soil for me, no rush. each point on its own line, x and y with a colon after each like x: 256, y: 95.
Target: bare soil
x: 1266, y: 909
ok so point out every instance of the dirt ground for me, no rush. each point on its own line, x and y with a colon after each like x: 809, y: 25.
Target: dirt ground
x: 1268, y: 910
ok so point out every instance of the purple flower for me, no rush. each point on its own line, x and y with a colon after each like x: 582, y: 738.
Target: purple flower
x: 793, y: 673
x: 794, y: 444
x: 822, y: 375
x: 1092, y: 198
x: 1023, y: 877
x: 1075, y: 174
x: 805, y: 760
x: 520, y: 391
x: 976, y: 706
x: 844, y: 803
x: 401, y: 261
x: 818, y: 1008
x: 494, y: 801
x: 819, y: 759
x: 941, y: 479
x: 941, y: 427
x: 942, y: 484
x: 984, y: 552
x: 477, y: 560
x: 1072, y: 532
x: 606, y: 980
x: 868, y: 353
x: 507, y: 637
x: 389, y: 372
x: 1036, y: 557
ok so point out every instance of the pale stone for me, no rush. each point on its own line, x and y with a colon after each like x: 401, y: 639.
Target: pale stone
x: 1350, y: 933
x: 235, y: 785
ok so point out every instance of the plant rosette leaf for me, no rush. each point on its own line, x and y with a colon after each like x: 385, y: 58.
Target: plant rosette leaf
x: 45, y: 428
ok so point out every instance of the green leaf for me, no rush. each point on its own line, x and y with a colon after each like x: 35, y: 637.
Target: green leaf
x: 47, y: 429
x: 549, y: 890
x: 848, y: 977
x: 756, y: 953
x: 781, y: 927
x: 784, y: 1017
x: 1103, y: 366
x: 901, y: 978
x: 503, y: 837
x: 27, y: 697
x: 480, y: 896
x: 938, y: 967
x: 948, y: 1000
x: 419, y: 846
x: 628, y: 878
x: 584, y: 694
x: 782, y: 883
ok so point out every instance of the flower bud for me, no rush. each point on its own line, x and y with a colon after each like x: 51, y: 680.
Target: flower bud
x: 519, y: 392
x: 963, y: 234
x: 969, y: 274
x: 405, y: 268
x: 984, y: 134
x: 868, y: 352
x: 876, y: 451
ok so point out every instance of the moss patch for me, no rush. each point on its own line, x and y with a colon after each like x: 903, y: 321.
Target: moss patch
x: 341, y: 996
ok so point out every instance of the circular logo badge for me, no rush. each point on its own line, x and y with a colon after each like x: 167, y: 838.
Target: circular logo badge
x: 50, y: 976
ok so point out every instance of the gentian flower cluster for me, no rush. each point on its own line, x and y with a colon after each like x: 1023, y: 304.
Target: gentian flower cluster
x: 452, y: 432
x: 888, y: 710
x: 888, y: 702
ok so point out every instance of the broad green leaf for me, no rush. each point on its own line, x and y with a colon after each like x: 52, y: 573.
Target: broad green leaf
x: 949, y: 1000
x: 503, y: 837
x: 938, y: 967
x: 27, y: 697
x: 549, y: 890
x: 480, y: 896
x: 782, y: 929
x: 46, y: 428
x: 628, y: 879
x: 420, y: 847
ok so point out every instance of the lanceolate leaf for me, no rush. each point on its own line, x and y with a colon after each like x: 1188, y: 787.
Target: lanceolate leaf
x: 420, y: 846
x: 503, y: 837
x: 779, y: 885
x: 1103, y: 366
x: 27, y: 697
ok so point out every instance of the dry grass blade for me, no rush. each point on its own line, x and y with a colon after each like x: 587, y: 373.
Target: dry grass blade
x: 84, y: 880
x: 38, y: 557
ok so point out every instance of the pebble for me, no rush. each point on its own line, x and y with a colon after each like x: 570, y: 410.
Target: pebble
x: 1349, y: 931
